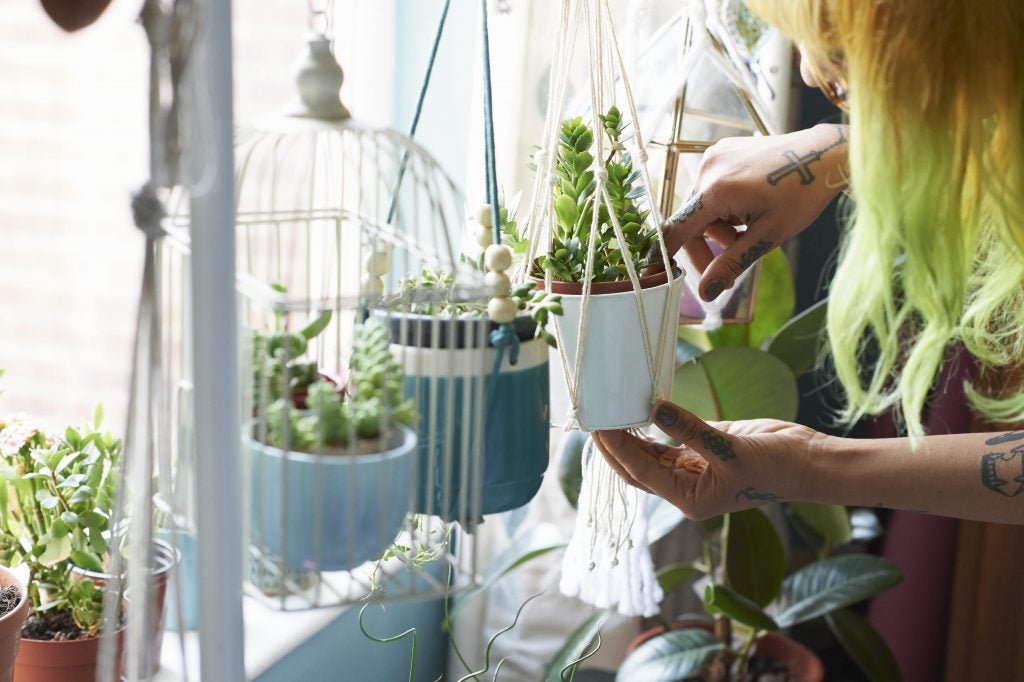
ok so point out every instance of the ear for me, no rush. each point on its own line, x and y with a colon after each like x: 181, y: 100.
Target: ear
x: 72, y: 15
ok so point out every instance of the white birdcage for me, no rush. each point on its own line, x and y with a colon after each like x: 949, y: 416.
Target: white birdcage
x: 335, y: 222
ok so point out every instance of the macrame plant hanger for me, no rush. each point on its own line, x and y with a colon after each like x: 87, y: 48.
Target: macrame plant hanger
x: 608, y: 562
x: 171, y: 31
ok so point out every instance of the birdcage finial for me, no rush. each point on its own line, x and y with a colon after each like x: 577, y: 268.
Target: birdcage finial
x: 318, y: 78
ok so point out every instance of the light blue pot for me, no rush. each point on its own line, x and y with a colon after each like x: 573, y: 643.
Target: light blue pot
x: 337, y: 511
x: 515, y: 424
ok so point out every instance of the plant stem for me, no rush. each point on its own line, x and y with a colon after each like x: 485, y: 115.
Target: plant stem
x: 745, y: 652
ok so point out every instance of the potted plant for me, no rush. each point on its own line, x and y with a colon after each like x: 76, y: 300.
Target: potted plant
x: 57, y: 494
x: 14, y: 606
x: 445, y: 344
x: 338, y: 474
x: 616, y: 336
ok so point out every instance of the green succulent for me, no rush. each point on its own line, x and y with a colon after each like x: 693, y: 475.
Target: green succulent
x: 575, y: 199
x: 333, y: 418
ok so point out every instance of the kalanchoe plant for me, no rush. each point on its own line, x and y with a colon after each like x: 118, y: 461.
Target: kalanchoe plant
x: 575, y: 199
x: 55, y: 509
x: 335, y: 418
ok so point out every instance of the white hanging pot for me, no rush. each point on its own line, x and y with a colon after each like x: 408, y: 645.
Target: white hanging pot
x: 616, y: 387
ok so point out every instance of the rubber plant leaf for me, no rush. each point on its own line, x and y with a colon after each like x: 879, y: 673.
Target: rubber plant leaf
x: 719, y: 599
x: 575, y: 648
x: 832, y: 584
x: 798, y: 341
x: 755, y: 558
x: 864, y: 645
x: 670, y: 657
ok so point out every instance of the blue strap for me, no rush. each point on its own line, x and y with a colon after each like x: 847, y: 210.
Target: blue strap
x: 419, y: 108
x: 489, y: 155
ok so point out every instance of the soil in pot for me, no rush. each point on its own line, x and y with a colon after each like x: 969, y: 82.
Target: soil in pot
x: 52, y: 626
x: 10, y: 597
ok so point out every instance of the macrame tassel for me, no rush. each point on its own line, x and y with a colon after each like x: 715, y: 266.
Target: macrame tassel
x: 608, y: 562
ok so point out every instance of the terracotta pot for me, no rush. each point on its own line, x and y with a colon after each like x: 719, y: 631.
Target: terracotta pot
x: 165, y: 558
x: 598, y: 288
x: 72, y: 15
x: 74, y: 661
x: 10, y: 625
x: 802, y: 664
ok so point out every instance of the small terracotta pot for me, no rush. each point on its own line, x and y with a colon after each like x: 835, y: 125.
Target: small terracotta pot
x: 597, y: 288
x: 71, y: 661
x: 165, y: 558
x: 10, y: 625
x: 800, y: 662
x: 72, y: 15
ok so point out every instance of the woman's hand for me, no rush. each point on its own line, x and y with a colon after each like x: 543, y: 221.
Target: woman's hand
x: 719, y: 467
x: 775, y: 185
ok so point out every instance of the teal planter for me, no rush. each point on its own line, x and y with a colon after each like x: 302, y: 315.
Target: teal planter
x: 337, y: 511
x: 475, y: 426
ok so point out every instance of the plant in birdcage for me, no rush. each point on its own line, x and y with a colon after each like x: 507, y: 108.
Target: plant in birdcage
x: 358, y: 432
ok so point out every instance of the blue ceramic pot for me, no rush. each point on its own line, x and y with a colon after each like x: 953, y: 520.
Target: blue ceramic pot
x: 475, y: 425
x: 338, y: 510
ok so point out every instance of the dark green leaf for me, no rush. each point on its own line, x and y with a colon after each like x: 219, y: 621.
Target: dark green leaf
x: 670, y: 657
x: 798, y: 342
x: 865, y: 646
x: 737, y: 383
x: 755, y: 557
x: 672, y: 576
x: 720, y: 599
x: 830, y: 522
x: 87, y: 561
x: 832, y: 584
x: 575, y: 647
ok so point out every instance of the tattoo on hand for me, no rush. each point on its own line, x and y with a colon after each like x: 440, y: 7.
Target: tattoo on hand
x: 695, y: 202
x: 718, y: 444
x: 754, y: 495
x: 754, y: 252
x: 801, y: 165
x: 1003, y: 472
x: 1005, y: 438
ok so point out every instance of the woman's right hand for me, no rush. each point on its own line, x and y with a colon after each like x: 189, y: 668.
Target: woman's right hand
x: 776, y: 185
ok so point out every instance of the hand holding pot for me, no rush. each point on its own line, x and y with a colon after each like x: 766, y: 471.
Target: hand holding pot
x: 719, y: 467
x: 776, y: 185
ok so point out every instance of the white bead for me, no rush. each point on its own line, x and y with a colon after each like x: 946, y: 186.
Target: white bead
x: 484, y: 236
x: 497, y: 283
x: 498, y: 257
x: 502, y: 309
x: 375, y: 263
x: 484, y: 216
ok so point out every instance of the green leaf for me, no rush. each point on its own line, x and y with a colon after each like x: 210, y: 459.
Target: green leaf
x: 799, y: 341
x: 832, y: 584
x: 565, y: 208
x: 829, y: 521
x: 87, y: 561
x: 773, y: 306
x: 56, y: 550
x: 720, y: 599
x: 670, y: 657
x: 97, y: 416
x: 70, y: 518
x: 536, y: 541
x: 865, y: 646
x: 570, y: 464
x: 737, y: 383
x: 755, y: 557
x: 314, y: 328
x: 575, y: 647
x: 673, y: 575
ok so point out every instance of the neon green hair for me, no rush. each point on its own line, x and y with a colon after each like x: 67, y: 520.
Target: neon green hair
x: 934, y: 251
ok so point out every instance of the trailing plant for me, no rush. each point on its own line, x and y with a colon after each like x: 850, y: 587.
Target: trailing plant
x: 575, y: 199
x: 55, y: 509
x: 373, y: 396
x: 433, y: 292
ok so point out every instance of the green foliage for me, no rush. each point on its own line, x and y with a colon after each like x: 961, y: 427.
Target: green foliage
x: 829, y: 522
x: 575, y: 201
x: 773, y: 305
x: 57, y: 502
x: 798, y: 342
x: 374, y: 395
x: 832, y: 584
x: 575, y: 649
x: 721, y: 600
x: 755, y: 558
x: 433, y: 292
x: 279, y: 371
x: 673, y: 656
x: 865, y: 646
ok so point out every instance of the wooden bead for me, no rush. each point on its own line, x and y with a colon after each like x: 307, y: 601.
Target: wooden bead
x: 502, y: 309
x: 484, y: 236
x: 497, y: 283
x: 498, y: 257
x: 373, y: 286
x: 484, y: 216
x: 375, y: 263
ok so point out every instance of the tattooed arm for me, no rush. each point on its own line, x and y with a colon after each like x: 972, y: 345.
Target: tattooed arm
x: 774, y: 185
x: 726, y: 466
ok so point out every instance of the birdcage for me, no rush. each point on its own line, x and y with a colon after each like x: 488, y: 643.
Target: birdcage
x: 363, y: 380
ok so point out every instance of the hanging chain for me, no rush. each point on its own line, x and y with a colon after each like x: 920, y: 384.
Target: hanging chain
x: 503, y: 7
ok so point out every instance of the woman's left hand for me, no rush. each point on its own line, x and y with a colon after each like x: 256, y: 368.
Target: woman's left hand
x: 719, y: 467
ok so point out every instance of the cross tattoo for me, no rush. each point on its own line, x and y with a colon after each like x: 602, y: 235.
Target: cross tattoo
x: 797, y: 164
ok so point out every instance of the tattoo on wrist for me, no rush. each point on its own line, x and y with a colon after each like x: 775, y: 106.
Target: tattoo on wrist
x: 754, y: 252
x: 718, y: 444
x: 1003, y: 472
x: 1005, y: 438
x: 801, y: 165
x: 754, y: 495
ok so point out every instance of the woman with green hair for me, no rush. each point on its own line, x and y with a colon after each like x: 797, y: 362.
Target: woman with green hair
x: 933, y: 255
